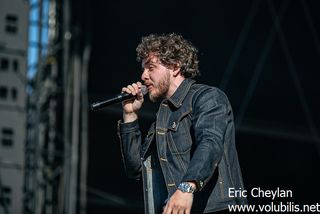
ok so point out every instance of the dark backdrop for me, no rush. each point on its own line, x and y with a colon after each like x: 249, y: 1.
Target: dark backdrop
x: 263, y: 54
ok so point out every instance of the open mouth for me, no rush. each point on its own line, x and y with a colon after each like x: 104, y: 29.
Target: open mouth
x: 149, y: 87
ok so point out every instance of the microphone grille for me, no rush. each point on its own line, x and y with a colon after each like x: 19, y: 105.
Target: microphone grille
x: 144, y: 89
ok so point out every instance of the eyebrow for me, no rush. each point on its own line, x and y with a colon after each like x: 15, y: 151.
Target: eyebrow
x: 148, y: 62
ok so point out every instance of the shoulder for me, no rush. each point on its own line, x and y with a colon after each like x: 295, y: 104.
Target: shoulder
x: 207, y: 94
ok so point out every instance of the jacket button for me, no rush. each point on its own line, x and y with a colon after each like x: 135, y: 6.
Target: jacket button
x: 174, y: 125
x: 163, y: 159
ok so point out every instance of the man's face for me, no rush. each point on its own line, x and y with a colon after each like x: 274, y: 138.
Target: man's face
x: 156, y: 77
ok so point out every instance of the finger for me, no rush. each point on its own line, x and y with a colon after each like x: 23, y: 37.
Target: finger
x: 187, y: 211
x: 139, y: 84
x: 182, y: 211
x: 175, y: 211
x: 139, y: 93
x: 125, y: 90
x: 136, y: 88
x: 167, y: 210
x: 132, y: 90
x: 164, y: 210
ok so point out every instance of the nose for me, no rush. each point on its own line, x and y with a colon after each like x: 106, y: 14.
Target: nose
x: 144, y: 75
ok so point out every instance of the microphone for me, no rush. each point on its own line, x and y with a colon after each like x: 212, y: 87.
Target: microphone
x: 116, y: 99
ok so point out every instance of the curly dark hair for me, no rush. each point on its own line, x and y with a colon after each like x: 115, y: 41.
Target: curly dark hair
x: 171, y: 49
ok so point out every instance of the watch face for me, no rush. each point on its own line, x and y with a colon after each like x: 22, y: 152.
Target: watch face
x: 185, y: 187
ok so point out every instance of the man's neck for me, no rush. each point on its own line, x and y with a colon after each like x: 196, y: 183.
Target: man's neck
x: 174, y: 85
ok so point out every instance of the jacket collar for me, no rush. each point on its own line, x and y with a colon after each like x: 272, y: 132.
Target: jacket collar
x: 177, y: 98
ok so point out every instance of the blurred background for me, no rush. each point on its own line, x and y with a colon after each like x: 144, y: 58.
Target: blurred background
x: 58, y: 56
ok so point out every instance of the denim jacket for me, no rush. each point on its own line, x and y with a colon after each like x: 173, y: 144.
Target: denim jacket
x: 195, y: 139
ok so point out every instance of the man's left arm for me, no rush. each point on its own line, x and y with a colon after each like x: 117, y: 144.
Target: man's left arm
x: 210, y: 117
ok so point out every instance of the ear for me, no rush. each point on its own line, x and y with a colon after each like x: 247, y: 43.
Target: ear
x: 176, y: 70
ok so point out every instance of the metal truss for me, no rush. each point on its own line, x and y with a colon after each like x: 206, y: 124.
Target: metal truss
x: 275, y: 32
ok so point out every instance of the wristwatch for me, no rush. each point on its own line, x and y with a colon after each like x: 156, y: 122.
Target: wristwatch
x: 186, y: 187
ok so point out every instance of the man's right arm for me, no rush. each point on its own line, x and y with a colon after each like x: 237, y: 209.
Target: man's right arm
x: 129, y: 132
x: 130, y: 142
x: 131, y: 107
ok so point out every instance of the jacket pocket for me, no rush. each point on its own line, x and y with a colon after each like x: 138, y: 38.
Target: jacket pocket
x: 179, y: 137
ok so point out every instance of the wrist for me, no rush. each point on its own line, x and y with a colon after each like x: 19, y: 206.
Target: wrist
x: 129, y: 117
x: 187, y: 187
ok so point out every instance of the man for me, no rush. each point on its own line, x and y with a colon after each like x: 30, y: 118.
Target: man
x: 188, y: 160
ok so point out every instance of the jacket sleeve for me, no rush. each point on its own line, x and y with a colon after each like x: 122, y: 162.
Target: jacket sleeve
x: 210, y: 117
x: 130, y: 143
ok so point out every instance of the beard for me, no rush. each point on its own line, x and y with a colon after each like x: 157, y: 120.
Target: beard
x: 160, y: 89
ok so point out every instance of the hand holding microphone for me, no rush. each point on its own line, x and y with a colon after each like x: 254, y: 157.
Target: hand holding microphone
x: 132, y: 106
x: 131, y: 98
